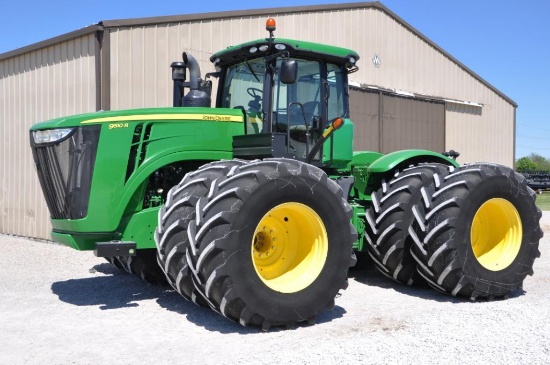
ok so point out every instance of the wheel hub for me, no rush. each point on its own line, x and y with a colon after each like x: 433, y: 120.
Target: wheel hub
x: 496, y: 234
x: 289, y: 247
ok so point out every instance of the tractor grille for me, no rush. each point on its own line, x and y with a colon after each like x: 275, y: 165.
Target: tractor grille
x: 65, y: 171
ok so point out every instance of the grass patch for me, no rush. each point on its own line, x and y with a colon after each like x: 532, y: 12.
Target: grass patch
x: 543, y: 200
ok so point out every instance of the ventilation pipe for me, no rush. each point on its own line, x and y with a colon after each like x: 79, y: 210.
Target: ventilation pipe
x: 178, y: 77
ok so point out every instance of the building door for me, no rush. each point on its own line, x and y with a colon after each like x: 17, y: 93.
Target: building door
x: 386, y: 122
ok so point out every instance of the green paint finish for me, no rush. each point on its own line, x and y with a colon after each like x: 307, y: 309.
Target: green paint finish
x: 342, y: 153
x: 327, y: 52
x: 394, y: 159
x: 158, y: 137
x: 358, y: 221
x: 140, y: 228
x: 364, y: 158
x: 359, y: 169
x: 137, y: 227
x: 82, y: 242
x: 67, y: 240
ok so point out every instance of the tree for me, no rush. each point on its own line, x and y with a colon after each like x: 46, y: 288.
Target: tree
x: 525, y: 164
x: 533, y: 162
x: 543, y: 164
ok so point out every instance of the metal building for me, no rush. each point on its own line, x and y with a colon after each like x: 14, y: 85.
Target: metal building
x: 408, y: 92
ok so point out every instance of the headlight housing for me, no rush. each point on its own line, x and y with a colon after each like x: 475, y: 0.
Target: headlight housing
x: 51, y: 135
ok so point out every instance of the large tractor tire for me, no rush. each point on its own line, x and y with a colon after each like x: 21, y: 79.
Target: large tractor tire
x: 271, y: 244
x: 143, y: 265
x: 476, y: 232
x: 174, y: 216
x: 389, y: 219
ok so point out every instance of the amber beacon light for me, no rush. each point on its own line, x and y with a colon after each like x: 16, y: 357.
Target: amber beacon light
x: 270, y: 25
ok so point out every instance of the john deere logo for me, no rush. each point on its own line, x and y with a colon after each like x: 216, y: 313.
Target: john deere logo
x: 376, y: 61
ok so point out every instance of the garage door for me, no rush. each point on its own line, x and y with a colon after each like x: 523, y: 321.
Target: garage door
x: 386, y: 122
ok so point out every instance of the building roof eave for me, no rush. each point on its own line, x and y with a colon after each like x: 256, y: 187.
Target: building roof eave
x: 244, y: 13
x: 52, y: 41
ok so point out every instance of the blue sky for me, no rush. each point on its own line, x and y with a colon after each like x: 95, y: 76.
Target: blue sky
x: 506, y: 42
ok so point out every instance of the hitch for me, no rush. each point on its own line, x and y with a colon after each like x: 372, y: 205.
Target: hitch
x: 115, y: 248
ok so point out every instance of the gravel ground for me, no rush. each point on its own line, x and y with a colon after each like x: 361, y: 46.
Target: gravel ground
x: 60, y: 306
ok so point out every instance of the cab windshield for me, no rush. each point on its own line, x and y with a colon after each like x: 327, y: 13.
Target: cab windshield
x: 298, y: 104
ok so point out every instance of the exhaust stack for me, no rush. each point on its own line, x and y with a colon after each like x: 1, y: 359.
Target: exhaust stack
x: 197, y: 95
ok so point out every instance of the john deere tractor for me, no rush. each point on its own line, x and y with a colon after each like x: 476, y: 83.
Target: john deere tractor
x: 256, y: 207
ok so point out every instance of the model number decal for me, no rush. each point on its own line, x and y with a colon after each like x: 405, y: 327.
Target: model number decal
x: 118, y: 125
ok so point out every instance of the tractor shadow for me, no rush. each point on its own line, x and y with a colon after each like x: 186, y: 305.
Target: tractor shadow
x: 367, y: 274
x: 213, y: 321
x: 114, y: 289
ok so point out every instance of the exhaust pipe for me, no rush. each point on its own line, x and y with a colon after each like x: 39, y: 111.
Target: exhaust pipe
x: 194, y: 70
x: 197, y: 95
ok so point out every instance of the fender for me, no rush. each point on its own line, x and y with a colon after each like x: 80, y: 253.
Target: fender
x: 369, y: 167
x: 392, y: 160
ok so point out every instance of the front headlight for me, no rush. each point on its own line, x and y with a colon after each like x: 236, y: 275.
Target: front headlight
x: 51, y: 135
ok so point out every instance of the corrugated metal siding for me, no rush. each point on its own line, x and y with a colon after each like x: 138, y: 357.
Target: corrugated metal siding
x: 140, y: 59
x: 481, y: 134
x: 52, y: 82
x: 409, y: 123
x: 404, y: 122
x: 364, y: 112
x: 141, y: 56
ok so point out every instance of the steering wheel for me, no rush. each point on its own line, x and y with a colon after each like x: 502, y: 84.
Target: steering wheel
x: 254, y: 92
x: 299, y: 128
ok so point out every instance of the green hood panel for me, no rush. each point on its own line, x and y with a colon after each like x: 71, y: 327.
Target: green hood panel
x: 133, y: 144
x: 149, y: 114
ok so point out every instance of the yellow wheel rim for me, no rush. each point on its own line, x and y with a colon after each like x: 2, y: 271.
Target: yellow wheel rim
x: 289, y: 248
x: 496, y: 234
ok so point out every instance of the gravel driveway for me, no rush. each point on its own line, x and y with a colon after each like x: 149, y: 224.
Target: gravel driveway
x: 60, y: 306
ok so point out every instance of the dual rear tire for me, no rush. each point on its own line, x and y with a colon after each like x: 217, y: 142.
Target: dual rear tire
x: 477, y: 232
x: 269, y: 243
x: 472, y: 231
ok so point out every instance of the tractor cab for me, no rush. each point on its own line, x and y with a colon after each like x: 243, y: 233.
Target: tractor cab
x: 290, y: 92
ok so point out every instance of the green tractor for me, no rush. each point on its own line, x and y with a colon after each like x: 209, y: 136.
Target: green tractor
x: 257, y: 207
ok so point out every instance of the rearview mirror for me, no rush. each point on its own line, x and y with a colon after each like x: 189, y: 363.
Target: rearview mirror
x: 289, y: 71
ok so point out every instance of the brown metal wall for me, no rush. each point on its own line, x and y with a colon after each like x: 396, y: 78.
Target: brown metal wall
x: 387, y: 123
x: 51, y: 82
x: 412, y: 123
x: 364, y: 112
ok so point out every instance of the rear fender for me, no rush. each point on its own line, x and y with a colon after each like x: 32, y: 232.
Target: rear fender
x: 372, y: 173
x: 408, y: 157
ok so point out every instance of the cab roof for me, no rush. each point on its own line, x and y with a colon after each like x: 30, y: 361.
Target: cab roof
x: 296, y: 48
